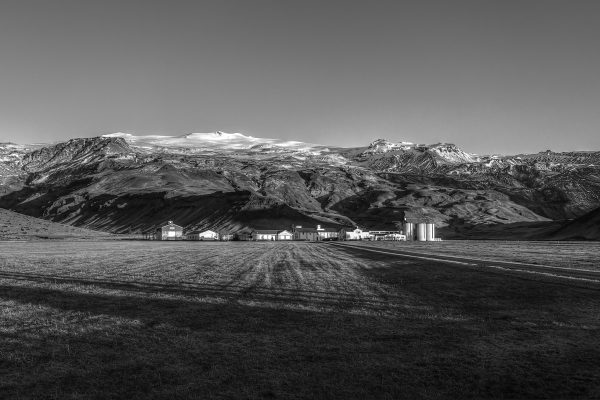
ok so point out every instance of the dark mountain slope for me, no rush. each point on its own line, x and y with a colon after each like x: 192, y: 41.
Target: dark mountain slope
x: 586, y: 227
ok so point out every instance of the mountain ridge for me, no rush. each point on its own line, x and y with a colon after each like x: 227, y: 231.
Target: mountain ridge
x: 93, y: 182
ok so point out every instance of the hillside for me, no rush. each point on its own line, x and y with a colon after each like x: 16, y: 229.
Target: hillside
x: 586, y: 227
x: 15, y: 226
x: 123, y: 183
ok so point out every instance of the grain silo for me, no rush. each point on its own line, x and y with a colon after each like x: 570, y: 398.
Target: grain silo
x: 430, y: 232
x: 421, y: 232
x: 409, y: 230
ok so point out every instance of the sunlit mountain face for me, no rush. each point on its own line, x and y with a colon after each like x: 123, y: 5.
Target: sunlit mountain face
x: 125, y: 183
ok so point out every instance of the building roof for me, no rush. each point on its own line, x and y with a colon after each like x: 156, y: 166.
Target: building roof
x: 305, y: 230
x: 316, y: 230
x: 329, y: 230
x: 170, y: 224
x: 266, y: 231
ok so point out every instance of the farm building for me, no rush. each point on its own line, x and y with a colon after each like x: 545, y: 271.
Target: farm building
x: 327, y: 233
x: 386, y: 235
x: 301, y: 233
x: 317, y: 233
x: 284, y: 235
x: 170, y: 231
x: 356, y: 234
x: 271, y: 235
x: 243, y: 235
x: 264, y: 234
x: 202, y: 235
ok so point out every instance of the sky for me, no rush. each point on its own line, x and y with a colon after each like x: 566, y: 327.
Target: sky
x: 505, y: 76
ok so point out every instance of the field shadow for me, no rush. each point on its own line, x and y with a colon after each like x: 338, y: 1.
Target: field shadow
x: 134, y: 347
x: 228, y: 292
x: 187, y: 349
x: 136, y: 342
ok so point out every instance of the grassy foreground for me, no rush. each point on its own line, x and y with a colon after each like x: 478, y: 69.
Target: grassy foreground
x: 283, y: 320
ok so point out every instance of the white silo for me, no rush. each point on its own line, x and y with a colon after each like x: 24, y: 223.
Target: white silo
x: 430, y: 232
x: 421, y: 232
x: 409, y: 230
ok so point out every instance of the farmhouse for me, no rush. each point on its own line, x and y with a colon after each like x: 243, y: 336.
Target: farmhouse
x: 264, y: 234
x: 203, y: 235
x: 170, y: 231
x: 301, y: 233
x: 270, y: 234
x: 317, y: 233
x: 327, y: 233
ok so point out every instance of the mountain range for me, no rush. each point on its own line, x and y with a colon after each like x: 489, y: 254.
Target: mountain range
x: 122, y: 183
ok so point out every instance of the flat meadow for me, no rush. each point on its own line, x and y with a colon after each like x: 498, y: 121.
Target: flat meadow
x: 252, y: 320
x: 570, y: 254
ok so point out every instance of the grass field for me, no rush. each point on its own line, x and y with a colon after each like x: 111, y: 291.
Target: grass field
x: 584, y: 255
x: 284, y: 320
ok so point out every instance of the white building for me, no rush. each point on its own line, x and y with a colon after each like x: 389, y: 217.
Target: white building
x: 204, y: 235
x: 357, y: 234
x: 170, y: 231
x: 386, y: 235
x: 285, y: 235
x: 271, y: 234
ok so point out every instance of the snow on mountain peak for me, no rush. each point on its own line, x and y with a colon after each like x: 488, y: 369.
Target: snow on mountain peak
x: 218, y: 140
x: 384, y: 145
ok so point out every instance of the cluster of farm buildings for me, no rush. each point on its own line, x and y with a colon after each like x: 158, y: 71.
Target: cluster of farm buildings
x: 419, y: 231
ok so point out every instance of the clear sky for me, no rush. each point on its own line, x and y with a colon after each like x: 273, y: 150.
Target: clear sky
x: 503, y: 76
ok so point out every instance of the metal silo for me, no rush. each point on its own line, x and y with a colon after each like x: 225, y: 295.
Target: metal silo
x: 409, y: 230
x: 421, y: 232
x: 430, y: 233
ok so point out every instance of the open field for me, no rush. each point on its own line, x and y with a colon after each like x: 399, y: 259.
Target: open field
x: 286, y: 320
x: 579, y: 255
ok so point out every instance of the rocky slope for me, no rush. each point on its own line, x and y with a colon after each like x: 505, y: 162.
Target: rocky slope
x: 123, y: 183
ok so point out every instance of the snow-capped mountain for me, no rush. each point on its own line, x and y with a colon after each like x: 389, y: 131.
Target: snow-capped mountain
x: 122, y: 182
x: 211, y: 141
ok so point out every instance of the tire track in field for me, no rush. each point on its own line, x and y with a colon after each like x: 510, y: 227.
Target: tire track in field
x: 301, y: 273
x: 289, y: 275
x: 575, y: 255
x: 323, y: 276
x: 364, y: 288
x: 571, y: 274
